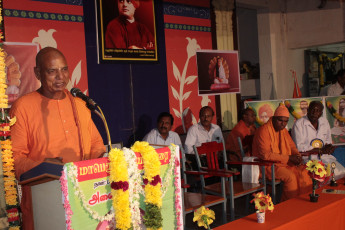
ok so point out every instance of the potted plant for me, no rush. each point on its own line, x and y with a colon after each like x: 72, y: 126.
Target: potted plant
x: 262, y: 203
x: 204, y: 217
x: 319, y: 174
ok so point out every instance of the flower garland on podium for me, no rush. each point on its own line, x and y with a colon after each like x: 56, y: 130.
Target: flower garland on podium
x: 123, y: 179
x: 119, y: 184
x: 128, y: 183
x: 10, y: 187
x: 152, y: 181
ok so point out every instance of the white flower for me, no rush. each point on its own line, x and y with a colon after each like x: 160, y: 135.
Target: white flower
x: 192, y: 47
x: 45, y: 38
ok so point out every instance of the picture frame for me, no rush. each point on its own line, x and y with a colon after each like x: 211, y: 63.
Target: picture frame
x: 218, y: 72
x: 126, y: 30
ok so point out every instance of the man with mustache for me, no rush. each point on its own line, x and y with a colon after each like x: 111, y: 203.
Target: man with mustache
x: 162, y: 135
x: 312, y: 127
x: 272, y: 141
x: 204, y: 131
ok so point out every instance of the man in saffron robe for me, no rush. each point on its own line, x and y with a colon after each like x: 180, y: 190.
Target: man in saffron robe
x: 245, y: 130
x: 52, y: 125
x: 124, y: 32
x: 273, y: 142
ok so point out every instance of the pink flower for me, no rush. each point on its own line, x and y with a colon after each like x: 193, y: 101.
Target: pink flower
x: 156, y: 179
x: 120, y: 185
x: 145, y: 181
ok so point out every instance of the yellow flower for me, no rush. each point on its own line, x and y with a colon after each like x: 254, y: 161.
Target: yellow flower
x: 119, y: 172
x: 320, y: 170
x: 263, y: 202
x: 311, y: 165
x: 123, y: 215
x: 13, y: 120
x: 204, y: 217
x: 153, y: 194
x: 152, y: 165
x: 14, y: 228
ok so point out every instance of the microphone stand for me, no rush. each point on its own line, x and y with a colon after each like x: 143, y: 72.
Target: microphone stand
x: 101, y: 115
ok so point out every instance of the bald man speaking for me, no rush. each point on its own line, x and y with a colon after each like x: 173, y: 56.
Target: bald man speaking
x: 273, y: 142
x: 124, y: 32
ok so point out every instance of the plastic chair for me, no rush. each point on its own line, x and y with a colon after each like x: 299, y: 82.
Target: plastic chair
x: 192, y: 200
x: 272, y: 182
x: 232, y: 189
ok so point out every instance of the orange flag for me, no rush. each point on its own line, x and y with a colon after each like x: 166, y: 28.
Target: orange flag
x: 296, y: 90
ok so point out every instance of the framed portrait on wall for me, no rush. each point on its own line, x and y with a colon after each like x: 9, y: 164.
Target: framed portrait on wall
x: 126, y: 30
x: 218, y: 72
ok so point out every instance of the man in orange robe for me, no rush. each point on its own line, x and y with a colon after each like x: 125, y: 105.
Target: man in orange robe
x: 245, y: 130
x: 52, y: 125
x: 273, y: 142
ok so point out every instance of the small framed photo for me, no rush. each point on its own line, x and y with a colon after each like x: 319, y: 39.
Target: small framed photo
x: 218, y: 72
x: 126, y: 30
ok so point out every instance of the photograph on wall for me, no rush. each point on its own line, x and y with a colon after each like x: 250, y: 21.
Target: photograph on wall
x: 298, y: 108
x: 264, y: 110
x: 218, y: 72
x: 126, y: 30
x: 335, y: 114
x: 20, y: 62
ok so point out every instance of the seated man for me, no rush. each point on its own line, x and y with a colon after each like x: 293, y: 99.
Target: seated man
x: 245, y: 130
x: 337, y: 88
x: 202, y: 132
x: 314, y: 126
x: 273, y: 142
x: 52, y: 125
x: 162, y: 135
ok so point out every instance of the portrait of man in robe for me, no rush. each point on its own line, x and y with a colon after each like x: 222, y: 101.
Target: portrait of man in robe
x: 127, y: 29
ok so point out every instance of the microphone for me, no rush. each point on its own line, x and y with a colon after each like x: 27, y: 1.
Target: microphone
x: 91, y: 104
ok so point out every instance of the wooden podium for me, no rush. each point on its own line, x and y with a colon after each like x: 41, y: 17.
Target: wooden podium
x: 48, y: 210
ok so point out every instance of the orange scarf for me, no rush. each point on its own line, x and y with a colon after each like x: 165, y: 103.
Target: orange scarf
x: 279, y: 143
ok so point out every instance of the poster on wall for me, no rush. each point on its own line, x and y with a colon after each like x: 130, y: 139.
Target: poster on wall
x: 126, y: 30
x: 298, y: 108
x: 264, y: 110
x: 335, y: 114
x: 20, y: 63
x: 218, y: 72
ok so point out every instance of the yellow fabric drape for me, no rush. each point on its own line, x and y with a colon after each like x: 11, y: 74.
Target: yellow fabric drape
x: 225, y: 41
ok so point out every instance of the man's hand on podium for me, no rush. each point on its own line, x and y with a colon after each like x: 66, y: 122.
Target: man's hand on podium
x: 54, y: 160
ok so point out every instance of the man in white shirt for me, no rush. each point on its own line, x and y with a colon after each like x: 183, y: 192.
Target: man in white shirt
x: 162, y: 135
x: 337, y: 89
x: 204, y: 131
x: 313, y: 126
x: 199, y: 133
x: 310, y: 127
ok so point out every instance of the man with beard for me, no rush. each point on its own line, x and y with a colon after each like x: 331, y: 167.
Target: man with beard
x: 162, y: 135
x: 273, y: 142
